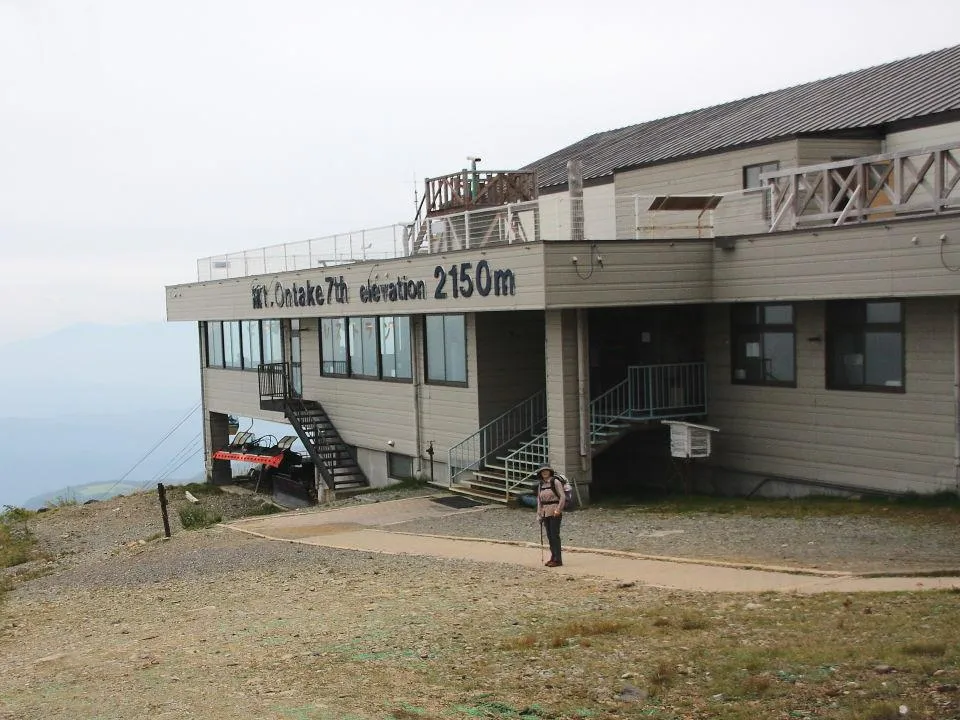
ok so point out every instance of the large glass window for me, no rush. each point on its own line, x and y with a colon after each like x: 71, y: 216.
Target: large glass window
x: 214, y: 344
x: 272, y: 341
x: 764, y: 344
x: 250, y: 343
x: 446, y: 349
x: 395, y: 348
x: 865, y: 341
x: 363, y: 347
x: 232, y: 356
x: 333, y: 346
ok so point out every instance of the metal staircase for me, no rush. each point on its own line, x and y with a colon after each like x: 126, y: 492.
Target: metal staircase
x: 332, y: 457
x: 499, y: 460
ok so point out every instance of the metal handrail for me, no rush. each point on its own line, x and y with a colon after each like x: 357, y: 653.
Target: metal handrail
x: 274, y: 381
x: 523, y: 463
x: 520, y: 420
x: 651, y: 392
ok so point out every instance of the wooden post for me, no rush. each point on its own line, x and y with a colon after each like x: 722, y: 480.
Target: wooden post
x: 163, y: 508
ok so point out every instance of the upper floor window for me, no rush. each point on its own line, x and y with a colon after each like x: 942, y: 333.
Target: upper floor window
x: 446, y: 349
x: 232, y: 353
x: 243, y: 344
x: 215, y: 344
x: 751, y: 181
x: 363, y: 347
x: 250, y: 343
x: 272, y: 341
x: 395, y: 356
x: 333, y: 346
x: 763, y: 344
x: 366, y: 347
x: 865, y: 345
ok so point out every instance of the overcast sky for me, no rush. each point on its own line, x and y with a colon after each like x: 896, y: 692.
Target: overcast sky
x: 137, y: 136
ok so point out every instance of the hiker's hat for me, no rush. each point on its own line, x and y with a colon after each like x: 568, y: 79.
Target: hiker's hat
x: 548, y: 468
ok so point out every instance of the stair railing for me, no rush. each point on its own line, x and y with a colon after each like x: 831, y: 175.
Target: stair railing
x: 659, y: 392
x: 522, y: 464
x: 610, y: 408
x: 524, y: 418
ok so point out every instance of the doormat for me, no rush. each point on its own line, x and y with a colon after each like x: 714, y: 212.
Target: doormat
x: 457, y: 502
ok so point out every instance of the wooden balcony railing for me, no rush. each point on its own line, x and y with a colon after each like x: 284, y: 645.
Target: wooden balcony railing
x: 469, y: 189
x: 878, y: 187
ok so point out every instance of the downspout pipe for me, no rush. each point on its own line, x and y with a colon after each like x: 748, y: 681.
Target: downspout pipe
x: 956, y: 395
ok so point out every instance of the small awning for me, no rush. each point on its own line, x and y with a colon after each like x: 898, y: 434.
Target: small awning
x: 686, y: 202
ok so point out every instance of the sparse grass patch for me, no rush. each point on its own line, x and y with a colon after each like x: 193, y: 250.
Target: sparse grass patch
x: 755, y: 685
x: 883, y: 711
x: 196, y: 517
x: 264, y: 509
x: 692, y: 621
x: 17, y: 544
x: 944, y: 506
x: 201, y: 489
x: 929, y: 649
x: 524, y: 642
x: 662, y: 677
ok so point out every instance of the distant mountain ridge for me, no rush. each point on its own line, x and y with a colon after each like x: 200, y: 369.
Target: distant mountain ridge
x: 86, y: 403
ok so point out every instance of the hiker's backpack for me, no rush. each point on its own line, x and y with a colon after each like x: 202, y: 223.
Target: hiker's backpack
x: 567, y: 488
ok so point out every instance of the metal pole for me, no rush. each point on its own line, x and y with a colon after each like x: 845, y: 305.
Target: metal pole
x: 163, y: 509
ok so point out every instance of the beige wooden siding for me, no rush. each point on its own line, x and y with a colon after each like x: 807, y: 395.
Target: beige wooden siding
x: 814, y: 151
x: 882, y: 441
x: 233, y: 299
x: 510, y: 360
x: 235, y: 392
x: 923, y: 137
x: 450, y: 414
x: 867, y: 260
x: 633, y: 273
x: 713, y: 174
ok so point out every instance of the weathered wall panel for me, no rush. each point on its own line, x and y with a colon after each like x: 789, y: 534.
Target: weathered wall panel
x: 633, y: 273
x: 863, y: 260
x: 882, y: 441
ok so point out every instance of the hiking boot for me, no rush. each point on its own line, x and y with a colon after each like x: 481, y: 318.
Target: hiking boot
x: 553, y: 563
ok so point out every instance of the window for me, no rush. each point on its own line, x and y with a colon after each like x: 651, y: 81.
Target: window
x: 764, y: 342
x: 751, y: 181
x: 399, y: 467
x: 446, y: 349
x: 272, y: 341
x: 395, y: 348
x: 215, y: 344
x: 250, y: 343
x: 333, y: 346
x: 865, y: 340
x: 363, y: 347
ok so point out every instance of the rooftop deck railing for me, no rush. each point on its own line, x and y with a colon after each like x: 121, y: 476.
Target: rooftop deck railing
x: 878, y: 187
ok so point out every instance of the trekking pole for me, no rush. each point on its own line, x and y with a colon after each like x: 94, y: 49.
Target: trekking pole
x: 541, y: 540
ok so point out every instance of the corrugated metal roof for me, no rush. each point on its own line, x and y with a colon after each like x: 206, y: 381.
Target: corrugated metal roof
x: 911, y: 88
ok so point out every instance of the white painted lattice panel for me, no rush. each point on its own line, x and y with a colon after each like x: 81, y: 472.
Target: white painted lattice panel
x: 688, y: 440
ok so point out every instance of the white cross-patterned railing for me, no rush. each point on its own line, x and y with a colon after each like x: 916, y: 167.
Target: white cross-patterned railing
x: 878, y: 187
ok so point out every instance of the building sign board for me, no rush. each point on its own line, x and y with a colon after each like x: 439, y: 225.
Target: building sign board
x: 459, y: 280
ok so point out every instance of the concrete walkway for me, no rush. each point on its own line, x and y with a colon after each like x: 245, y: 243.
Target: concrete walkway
x: 366, y: 528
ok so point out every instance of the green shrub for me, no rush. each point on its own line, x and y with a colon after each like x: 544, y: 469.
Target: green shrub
x: 196, y: 517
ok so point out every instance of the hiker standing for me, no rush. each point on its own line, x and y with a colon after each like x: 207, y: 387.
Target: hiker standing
x: 550, y: 502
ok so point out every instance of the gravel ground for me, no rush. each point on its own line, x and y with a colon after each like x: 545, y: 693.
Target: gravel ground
x: 851, y: 543
x: 216, y: 624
